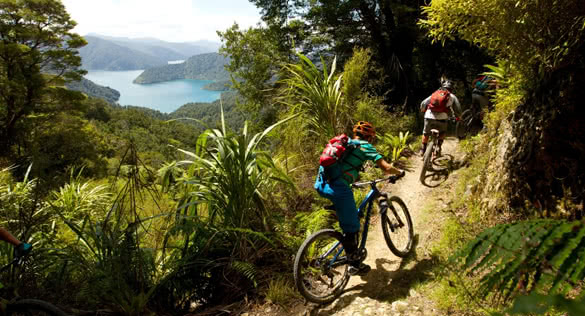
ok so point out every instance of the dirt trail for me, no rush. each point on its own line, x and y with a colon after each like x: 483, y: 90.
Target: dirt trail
x: 390, y: 287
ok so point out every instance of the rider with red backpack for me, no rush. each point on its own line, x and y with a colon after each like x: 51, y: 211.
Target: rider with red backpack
x: 438, y: 108
x: 335, y: 178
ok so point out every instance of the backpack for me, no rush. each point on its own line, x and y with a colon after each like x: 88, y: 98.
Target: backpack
x: 334, y: 150
x: 439, y: 100
x: 483, y: 84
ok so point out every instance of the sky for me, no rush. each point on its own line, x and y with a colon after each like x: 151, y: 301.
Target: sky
x: 169, y: 20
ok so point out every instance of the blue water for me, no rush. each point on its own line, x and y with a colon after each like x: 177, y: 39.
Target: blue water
x: 164, y: 96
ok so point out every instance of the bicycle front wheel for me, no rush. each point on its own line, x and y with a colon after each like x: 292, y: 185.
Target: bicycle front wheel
x: 31, y: 307
x: 427, y: 163
x: 464, y: 124
x: 321, y: 267
x: 397, y: 226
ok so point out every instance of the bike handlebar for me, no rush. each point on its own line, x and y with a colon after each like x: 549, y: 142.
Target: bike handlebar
x: 392, y: 179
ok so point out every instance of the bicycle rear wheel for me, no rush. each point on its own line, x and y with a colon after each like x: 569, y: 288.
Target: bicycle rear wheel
x: 427, y: 163
x: 464, y: 124
x: 32, y: 307
x: 321, y: 267
x: 397, y: 226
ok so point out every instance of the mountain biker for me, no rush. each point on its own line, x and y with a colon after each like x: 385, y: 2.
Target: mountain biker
x: 22, y: 248
x: 482, y: 85
x: 437, y: 114
x: 334, y: 183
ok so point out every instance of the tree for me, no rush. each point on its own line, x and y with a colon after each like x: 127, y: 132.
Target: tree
x: 388, y: 28
x: 38, y: 53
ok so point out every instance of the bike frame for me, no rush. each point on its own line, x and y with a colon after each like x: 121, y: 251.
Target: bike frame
x: 366, y: 205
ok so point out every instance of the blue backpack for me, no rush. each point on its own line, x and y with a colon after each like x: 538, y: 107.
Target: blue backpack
x: 484, y: 83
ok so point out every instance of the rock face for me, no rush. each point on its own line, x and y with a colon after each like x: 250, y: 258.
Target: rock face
x: 536, y: 154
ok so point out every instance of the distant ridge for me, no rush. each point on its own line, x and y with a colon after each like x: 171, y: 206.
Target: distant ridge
x: 202, y: 67
x: 119, y: 53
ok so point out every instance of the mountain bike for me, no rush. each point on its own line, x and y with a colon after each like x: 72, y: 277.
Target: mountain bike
x: 29, y: 307
x: 430, y: 154
x: 321, y: 264
x: 469, y: 123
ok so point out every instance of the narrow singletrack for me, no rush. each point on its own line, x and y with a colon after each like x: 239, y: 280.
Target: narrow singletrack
x: 390, y: 287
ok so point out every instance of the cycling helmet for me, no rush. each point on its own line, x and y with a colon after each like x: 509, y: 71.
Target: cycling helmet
x: 447, y: 84
x: 365, y: 129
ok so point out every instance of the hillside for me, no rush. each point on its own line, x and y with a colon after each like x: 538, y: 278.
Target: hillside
x: 100, y: 54
x: 146, y: 45
x: 202, y: 67
x: 95, y: 90
x: 121, y: 53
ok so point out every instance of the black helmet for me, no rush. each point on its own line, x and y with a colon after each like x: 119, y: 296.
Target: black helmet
x: 447, y: 84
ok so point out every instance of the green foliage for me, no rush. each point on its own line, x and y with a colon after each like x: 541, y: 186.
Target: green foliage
x: 224, y: 85
x: 310, y: 222
x: 223, y: 225
x: 76, y: 199
x: 255, y: 58
x: 534, y: 255
x: 65, y: 142
x: 94, y: 90
x: 228, y: 173
x: 395, y: 145
x: 120, y: 269
x: 281, y: 291
x: 316, y: 95
x: 510, y: 30
x: 536, y: 304
x: 36, y: 36
x: 208, y: 115
x: 355, y: 74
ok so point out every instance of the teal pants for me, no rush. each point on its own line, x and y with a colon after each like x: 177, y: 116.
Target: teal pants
x: 342, y: 197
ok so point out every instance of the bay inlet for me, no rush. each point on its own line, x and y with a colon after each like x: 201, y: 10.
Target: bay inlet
x: 165, y: 97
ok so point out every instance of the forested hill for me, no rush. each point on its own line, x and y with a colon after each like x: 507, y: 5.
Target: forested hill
x: 119, y: 53
x: 202, y: 67
x: 152, y: 46
x: 100, y: 54
x: 95, y: 90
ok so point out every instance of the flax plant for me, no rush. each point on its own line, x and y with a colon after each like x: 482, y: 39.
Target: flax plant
x: 317, y: 95
x: 223, y: 224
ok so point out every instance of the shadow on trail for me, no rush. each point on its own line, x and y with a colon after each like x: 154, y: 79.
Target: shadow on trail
x: 441, y: 168
x: 384, y: 284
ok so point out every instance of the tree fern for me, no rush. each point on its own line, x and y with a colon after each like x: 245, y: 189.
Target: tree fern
x: 535, y: 255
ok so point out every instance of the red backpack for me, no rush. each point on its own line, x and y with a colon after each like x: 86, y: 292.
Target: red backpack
x: 334, y: 150
x: 439, y: 100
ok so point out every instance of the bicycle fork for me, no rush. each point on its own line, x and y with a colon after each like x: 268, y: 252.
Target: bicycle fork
x: 384, y: 206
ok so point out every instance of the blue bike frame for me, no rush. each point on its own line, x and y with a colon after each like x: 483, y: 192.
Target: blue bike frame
x: 368, y: 202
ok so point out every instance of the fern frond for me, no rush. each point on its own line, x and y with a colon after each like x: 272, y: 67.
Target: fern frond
x: 525, y: 256
x: 247, y: 269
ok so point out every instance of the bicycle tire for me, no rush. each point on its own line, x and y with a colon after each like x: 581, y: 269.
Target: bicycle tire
x: 395, y: 207
x: 463, y: 125
x: 310, y: 275
x: 427, y: 164
x: 33, y: 307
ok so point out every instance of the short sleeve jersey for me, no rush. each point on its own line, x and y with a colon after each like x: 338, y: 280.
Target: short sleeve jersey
x: 353, y: 162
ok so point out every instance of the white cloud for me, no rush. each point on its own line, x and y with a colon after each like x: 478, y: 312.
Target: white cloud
x: 171, y: 20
